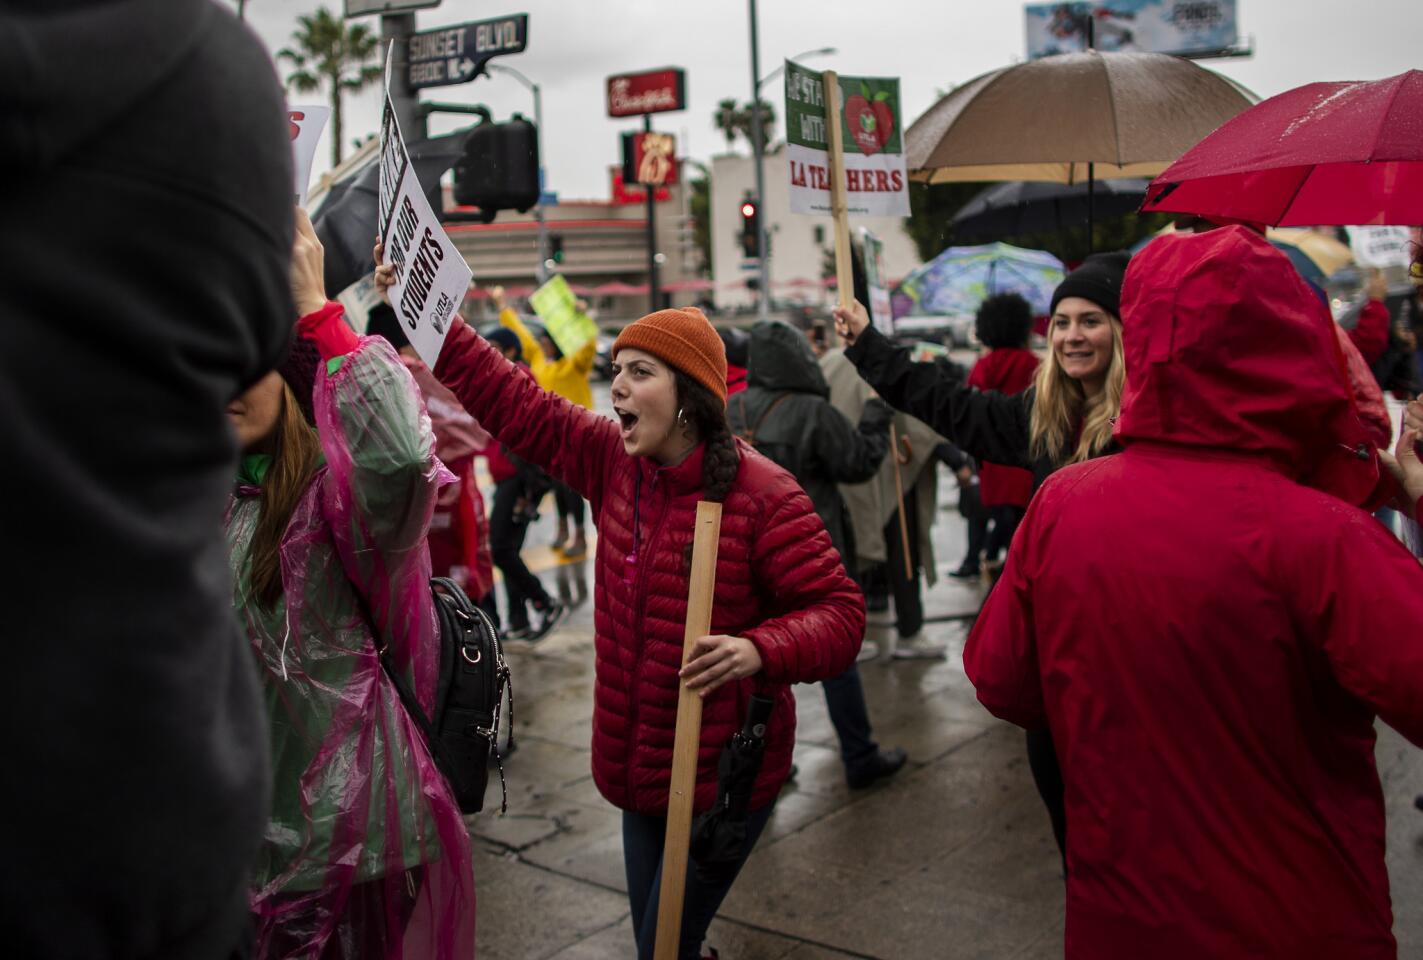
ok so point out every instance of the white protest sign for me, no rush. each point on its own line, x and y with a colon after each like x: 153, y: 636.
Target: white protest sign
x: 876, y: 183
x: 1380, y: 246
x: 431, y: 276
x: 305, y: 125
x: 880, y: 314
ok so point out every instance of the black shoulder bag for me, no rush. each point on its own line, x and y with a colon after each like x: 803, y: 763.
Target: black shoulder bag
x: 463, y: 729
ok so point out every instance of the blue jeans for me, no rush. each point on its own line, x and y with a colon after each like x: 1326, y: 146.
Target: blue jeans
x: 643, y: 838
x: 845, y: 702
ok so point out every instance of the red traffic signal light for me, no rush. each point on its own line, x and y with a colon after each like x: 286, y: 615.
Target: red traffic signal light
x: 748, y: 209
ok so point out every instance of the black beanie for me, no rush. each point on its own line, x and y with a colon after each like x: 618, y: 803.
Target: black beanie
x: 1098, y: 279
x: 299, y: 371
x: 505, y: 339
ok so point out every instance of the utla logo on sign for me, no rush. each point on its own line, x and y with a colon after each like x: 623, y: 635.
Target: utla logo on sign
x: 655, y: 91
x: 876, y: 183
x: 458, y: 54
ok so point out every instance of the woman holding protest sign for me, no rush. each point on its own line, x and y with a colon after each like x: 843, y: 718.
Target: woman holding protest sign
x: 1065, y: 417
x: 784, y: 611
x: 567, y: 376
x: 366, y: 854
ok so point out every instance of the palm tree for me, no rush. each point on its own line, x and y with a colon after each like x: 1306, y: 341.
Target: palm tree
x: 326, y: 50
x: 728, y: 120
x: 768, y: 122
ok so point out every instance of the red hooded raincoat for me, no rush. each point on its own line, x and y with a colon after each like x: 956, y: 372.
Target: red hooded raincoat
x: 1208, y: 638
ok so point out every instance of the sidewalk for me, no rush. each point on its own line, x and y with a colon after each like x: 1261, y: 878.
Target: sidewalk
x: 952, y: 858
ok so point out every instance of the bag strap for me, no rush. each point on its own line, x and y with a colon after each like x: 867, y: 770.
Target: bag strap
x: 750, y: 435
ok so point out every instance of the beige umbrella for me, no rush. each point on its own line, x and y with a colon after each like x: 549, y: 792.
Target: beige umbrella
x: 1071, y: 118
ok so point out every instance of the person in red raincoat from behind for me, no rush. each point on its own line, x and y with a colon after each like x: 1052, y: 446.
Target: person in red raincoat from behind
x: 1209, y: 638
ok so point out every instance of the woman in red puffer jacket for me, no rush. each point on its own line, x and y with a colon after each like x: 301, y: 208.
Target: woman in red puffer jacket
x: 784, y: 610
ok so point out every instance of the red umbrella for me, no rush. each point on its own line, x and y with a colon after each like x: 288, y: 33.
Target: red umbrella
x: 1323, y: 153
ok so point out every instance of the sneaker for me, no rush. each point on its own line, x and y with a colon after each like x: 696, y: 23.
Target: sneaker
x: 918, y: 647
x: 545, y: 620
x: 885, y: 763
x: 964, y: 572
x: 869, y: 650
x: 515, y: 634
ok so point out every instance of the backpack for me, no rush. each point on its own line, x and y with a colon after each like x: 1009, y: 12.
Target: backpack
x: 463, y: 730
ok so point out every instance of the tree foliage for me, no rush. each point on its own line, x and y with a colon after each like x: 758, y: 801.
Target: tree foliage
x: 326, y: 52
x: 733, y: 120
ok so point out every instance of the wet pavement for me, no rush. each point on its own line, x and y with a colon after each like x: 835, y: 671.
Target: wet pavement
x: 951, y: 858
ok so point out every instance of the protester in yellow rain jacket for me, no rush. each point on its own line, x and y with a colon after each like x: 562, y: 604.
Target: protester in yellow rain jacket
x: 566, y: 376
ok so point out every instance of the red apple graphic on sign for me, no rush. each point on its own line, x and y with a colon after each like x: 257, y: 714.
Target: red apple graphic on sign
x: 870, y: 120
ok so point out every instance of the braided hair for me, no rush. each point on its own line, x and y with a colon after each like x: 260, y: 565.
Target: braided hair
x: 705, y: 411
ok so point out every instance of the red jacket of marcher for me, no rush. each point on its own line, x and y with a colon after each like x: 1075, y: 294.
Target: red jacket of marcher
x: 779, y: 582
x: 1208, y: 639
x: 1368, y: 398
x: 1008, y: 370
x: 1370, y: 334
x: 500, y: 466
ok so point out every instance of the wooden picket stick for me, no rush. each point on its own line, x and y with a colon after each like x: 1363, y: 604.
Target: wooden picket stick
x: 839, y: 204
x: 678, y: 839
x: 844, y: 272
x: 899, y: 496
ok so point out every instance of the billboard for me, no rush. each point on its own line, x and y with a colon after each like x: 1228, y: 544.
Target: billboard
x: 650, y: 158
x: 656, y: 91
x: 1186, y: 28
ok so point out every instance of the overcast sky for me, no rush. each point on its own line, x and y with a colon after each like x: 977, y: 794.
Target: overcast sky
x: 932, y: 45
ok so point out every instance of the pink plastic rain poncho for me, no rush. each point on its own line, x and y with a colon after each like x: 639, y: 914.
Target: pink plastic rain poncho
x: 365, y: 838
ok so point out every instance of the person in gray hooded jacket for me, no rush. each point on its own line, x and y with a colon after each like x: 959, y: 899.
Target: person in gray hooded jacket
x: 785, y: 413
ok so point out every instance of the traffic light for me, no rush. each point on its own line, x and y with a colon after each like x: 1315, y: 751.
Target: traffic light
x: 500, y: 167
x: 750, y: 229
x: 555, y: 248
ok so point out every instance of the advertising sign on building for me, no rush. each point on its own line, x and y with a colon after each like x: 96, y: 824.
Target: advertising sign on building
x: 650, y: 158
x: 653, y: 91
x: 305, y: 125
x: 875, y: 181
x: 1186, y: 28
x: 431, y: 276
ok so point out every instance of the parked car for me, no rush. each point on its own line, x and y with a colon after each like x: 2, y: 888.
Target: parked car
x: 952, y: 331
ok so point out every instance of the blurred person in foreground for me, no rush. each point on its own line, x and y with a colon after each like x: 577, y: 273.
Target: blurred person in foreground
x: 146, y: 184
x: 1209, y: 630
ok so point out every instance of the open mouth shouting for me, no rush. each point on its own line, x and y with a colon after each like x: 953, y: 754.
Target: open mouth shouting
x: 626, y: 419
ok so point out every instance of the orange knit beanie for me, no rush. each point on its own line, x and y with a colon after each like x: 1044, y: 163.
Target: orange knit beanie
x: 685, y: 339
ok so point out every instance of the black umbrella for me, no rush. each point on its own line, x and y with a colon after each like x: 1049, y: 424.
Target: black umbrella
x: 719, y: 835
x: 346, y: 222
x: 1030, y: 206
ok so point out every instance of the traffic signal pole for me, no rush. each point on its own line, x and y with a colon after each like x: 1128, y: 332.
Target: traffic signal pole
x: 763, y: 293
x: 398, y: 27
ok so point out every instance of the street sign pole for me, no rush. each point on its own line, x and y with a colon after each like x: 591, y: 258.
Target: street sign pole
x: 539, y: 210
x: 396, y: 28
x: 654, y: 294
x: 763, y: 293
